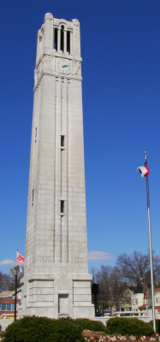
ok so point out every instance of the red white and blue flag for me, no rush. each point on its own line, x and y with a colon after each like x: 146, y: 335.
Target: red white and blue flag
x: 20, y: 259
x: 144, y: 170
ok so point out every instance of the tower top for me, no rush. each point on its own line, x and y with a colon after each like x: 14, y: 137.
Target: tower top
x: 50, y: 17
x: 59, y: 37
x: 58, y: 49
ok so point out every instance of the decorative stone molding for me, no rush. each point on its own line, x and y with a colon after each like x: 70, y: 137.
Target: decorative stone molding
x: 41, y: 33
x: 48, y: 16
x: 47, y: 63
x: 42, y: 30
x: 80, y: 260
x: 75, y: 22
x: 42, y: 259
x: 76, y: 68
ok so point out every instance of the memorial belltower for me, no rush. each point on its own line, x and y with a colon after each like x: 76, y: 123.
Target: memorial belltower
x: 56, y: 279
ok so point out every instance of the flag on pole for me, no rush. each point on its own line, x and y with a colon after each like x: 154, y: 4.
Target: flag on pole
x: 20, y: 259
x: 144, y: 170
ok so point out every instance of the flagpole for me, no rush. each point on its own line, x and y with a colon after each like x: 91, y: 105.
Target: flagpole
x: 150, y: 248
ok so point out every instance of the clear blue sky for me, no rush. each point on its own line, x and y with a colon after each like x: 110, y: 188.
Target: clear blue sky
x: 120, y: 42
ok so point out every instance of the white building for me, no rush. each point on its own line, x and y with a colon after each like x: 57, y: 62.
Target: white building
x: 140, y: 301
x: 56, y: 279
x: 137, y: 300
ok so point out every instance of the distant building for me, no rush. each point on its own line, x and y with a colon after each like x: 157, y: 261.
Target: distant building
x: 146, y: 301
x: 137, y: 301
x: 125, y: 299
x: 7, y: 302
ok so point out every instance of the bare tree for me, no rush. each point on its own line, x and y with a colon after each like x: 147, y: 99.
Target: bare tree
x: 111, y: 285
x: 134, y: 267
x: 93, y: 271
x: 129, y: 272
x: 102, y: 277
x: 6, y: 282
x: 117, y: 286
x: 156, y: 270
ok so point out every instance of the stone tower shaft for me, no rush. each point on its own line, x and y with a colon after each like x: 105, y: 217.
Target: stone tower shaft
x: 56, y: 280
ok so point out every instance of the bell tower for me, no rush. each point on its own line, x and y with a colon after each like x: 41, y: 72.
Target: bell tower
x: 56, y: 279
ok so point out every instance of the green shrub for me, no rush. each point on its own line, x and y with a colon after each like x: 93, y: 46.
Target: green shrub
x: 43, y: 329
x: 87, y: 324
x: 65, y: 330
x: 28, y: 329
x: 128, y: 326
x: 157, y: 325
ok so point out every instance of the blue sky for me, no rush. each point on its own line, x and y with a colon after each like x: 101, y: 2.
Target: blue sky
x: 120, y: 42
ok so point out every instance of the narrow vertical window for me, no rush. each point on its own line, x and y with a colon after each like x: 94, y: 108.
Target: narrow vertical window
x: 55, y: 38
x: 68, y: 42
x: 35, y: 133
x: 62, y: 206
x: 62, y: 38
x: 32, y: 196
x: 62, y: 142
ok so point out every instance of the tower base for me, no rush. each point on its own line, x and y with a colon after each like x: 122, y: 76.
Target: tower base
x: 61, y: 296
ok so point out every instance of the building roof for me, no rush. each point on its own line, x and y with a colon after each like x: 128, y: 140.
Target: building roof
x: 157, y: 307
x: 155, y: 291
x: 142, y: 306
x: 6, y: 294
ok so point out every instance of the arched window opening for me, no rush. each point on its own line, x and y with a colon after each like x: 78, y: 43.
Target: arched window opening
x: 55, y: 39
x: 62, y: 38
x: 68, y: 42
